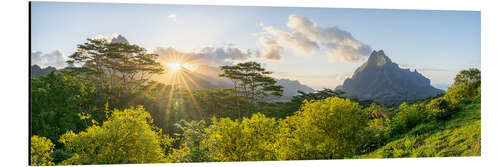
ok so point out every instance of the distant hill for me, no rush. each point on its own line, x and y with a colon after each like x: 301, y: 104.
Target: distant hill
x: 37, y: 71
x: 207, y: 77
x: 290, y: 88
x: 204, y: 77
x: 381, y: 80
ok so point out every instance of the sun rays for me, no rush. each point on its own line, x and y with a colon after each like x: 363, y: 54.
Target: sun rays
x: 178, y: 75
x: 176, y: 66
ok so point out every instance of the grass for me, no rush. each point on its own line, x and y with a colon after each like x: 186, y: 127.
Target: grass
x: 458, y: 136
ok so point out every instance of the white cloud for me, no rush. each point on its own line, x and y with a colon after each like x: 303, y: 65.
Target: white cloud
x: 208, y: 55
x: 307, y: 37
x: 54, y: 59
x: 272, y: 50
x: 303, y: 44
x: 172, y: 17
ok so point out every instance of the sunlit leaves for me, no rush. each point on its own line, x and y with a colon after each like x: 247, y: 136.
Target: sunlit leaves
x: 251, y: 140
x: 323, y: 129
x: 41, y: 148
x: 126, y: 137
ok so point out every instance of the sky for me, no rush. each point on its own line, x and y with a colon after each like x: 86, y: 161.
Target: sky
x: 320, y: 47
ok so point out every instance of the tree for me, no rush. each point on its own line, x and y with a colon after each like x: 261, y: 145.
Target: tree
x: 407, y: 118
x: 467, y: 85
x: 470, y: 76
x: 58, y: 101
x: 41, y: 148
x: 115, y: 64
x: 127, y: 137
x: 440, y: 109
x: 191, y: 150
x: 251, y: 140
x: 376, y: 111
x: 251, y: 81
x: 322, y: 94
x: 323, y: 129
x: 219, y: 103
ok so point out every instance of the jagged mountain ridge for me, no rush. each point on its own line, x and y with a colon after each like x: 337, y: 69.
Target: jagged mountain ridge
x: 381, y: 80
x: 37, y: 71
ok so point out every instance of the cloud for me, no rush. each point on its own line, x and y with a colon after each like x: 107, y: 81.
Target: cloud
x: 303, y: 44
x: 272, y: 50
x: 307, y: 37
x: 54, y: 59
x: 172, y: 17
x: 207, y: 55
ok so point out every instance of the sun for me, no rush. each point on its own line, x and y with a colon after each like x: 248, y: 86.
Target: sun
x: 174, y: 66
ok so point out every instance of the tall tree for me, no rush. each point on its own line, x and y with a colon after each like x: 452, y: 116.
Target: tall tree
x: 251, y: 81
x: 58, y: 100
x: 111, y: 63
x: 470, y: 76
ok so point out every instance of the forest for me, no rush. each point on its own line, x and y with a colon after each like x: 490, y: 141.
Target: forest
x: 105, y: 109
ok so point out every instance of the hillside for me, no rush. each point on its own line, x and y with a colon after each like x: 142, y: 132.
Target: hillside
x: 459, y: 136
x: 381, y: 80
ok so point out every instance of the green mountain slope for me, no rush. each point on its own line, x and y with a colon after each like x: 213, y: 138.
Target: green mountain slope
x: 459, y: 136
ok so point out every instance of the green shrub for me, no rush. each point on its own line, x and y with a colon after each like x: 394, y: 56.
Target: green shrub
x: 440, y: 109
x: 467, y: 85
x: 127, y: 137
x: 323, y: 129
x: 191, y: 149
x: 407, y: 118
x: 60, y: 155
x: 41, y: 148
x: 252, y: 139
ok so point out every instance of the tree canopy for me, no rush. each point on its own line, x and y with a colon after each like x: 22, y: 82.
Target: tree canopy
x: 127, y: 136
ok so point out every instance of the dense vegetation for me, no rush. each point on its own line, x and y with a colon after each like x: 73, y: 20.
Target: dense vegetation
x: 105, y: 110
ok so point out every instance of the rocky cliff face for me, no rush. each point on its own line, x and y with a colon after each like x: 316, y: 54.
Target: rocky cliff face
x: 381, y: 80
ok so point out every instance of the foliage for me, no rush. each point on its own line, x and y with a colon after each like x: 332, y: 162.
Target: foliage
x: 460, y: 92
x: 191, y: 149
x: 60, y: 155
x: 57, y: 101
x: 115, y: 64
x: 67, y: 108
x: 322, y: 94
x: 376, y: 111
x: 467, y: 85
x: 377, y: 134
x: 251, y: 81
x: 407, y: 118
x: 250, y: 140
x: 220, y: 103
x: 440, y: 109
x: 470, y: 76
x: 323, y: 129
x: 126, y: 137
x: 458, y: 136
x: 41, y: 148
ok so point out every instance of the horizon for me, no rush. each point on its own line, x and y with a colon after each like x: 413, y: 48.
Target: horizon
x: 327, y: 43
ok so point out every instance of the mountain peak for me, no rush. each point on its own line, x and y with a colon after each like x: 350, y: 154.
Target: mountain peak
x: 378, y: 58
x: 382, y: 80
x: 119, y: 39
